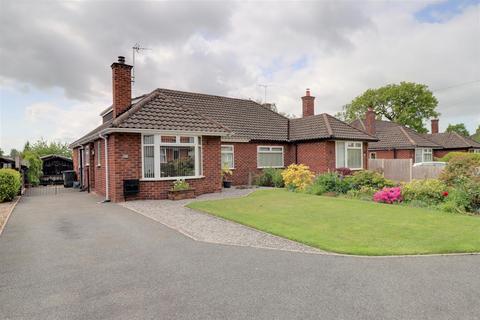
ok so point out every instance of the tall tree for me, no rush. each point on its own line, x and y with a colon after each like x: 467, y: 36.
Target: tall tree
x: 406, y: 103
x: 14, y: 153
x: 458, y: 128
x: 1, y: 152
x: 476, y: 135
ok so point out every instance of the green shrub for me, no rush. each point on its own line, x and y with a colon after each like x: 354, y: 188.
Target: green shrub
x: 34, y: 171
x: 10, y: 182
x: 180, y: 184
x: 451, y: 155
x: 457, y: 201
x: 328, y: 182
x: 429, y: 191
x: 364, y: 193
x: 371, y: 179
x: 460, y: 167
x: 270, y: 177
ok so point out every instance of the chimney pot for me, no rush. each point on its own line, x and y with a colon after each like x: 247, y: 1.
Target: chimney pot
x: 121, y: 59
x: 308, y: 104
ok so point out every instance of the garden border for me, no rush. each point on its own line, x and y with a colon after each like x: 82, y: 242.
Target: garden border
x: 12, y: 206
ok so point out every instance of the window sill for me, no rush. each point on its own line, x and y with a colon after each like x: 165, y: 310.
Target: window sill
x: 172, y: 178
x: 282, y: 167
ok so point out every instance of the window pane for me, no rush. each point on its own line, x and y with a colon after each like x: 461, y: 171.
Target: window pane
x: 278, y: 149
x: 148, y: 139
x: 264, y: 149
x: 270, y: 159
x: 187, y: 140
x: 227, y: 148
x: 427, y: 157
x: 149, y: 163
x: 354, y: 158
x: 227, y: 160
x: 340, y: 154
x: 418, y: 155
x: 168, y: 139
x: 180, y: 161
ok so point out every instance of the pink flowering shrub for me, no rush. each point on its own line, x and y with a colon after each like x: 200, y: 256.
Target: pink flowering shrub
x: 388, y: 195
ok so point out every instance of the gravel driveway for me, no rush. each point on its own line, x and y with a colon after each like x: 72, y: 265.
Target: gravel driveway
x: 207, y: 228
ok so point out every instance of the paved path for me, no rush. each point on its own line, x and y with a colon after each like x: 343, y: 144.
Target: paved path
x: 69, y: 257
x: 207, y: 228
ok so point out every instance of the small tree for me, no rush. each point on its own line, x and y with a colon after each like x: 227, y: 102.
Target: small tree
x: 458, y: 128
x: 34, y: 171
x: 476, y: 135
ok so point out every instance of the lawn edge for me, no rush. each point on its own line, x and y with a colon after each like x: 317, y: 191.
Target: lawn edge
x: 9, y: 214
x: 333, y: 253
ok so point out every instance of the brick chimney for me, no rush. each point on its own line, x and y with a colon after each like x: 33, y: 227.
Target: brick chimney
x: 121, y: 86
x: 370, y: 124
x: 434, y: 126
x: 308, y: 105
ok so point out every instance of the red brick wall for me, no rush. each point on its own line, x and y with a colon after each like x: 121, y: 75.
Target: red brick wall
x: 99, y: 171
x: 319, y: 156
x: 245, y: 159
x: 125, y: 163
x: 390, y: 154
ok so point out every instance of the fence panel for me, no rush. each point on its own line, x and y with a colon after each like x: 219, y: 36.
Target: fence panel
x: 426, y: 172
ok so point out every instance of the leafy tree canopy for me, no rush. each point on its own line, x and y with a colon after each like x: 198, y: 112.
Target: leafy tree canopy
x: 44, y: 148
x: 1, y: 152
x: 34, y: 171
x: 476, y: 135
x: 406, y: 103
x: 458, y: 128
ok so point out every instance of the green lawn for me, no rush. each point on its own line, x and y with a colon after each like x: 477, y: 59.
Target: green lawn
x: 350, y: 226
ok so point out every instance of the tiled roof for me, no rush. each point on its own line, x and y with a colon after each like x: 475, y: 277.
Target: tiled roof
x: 452, y: 140
x: 247, y: 119
x: 165, y: 109
x: 324, y: 126
x: 392, y: 135
x: 160, y: 112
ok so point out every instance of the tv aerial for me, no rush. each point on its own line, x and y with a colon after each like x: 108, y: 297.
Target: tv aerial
x: 136, y: 49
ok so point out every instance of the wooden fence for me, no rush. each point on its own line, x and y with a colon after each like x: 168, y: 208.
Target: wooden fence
x: 402, y: 170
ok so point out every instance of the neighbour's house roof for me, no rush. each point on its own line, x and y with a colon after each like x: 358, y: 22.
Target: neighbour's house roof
x: 452, y: 140
x: 325, y: 126
x: 240, y: 119
x: 392, y: 135
x: 7, y: 159
x: 51, y: 156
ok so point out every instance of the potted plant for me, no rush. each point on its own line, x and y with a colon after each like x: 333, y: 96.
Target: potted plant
x: 181, y: 190
x: 226, y: 176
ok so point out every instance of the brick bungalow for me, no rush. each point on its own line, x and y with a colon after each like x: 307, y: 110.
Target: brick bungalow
x: 168, y: 134
x: 400, y: 142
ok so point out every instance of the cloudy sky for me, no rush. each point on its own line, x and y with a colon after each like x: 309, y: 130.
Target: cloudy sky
x: 55, y: 56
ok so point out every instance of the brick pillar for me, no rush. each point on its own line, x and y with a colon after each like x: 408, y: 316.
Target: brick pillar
x: 308, y: 105
x: 434, y: 126
x: 121, y: 86
x: 370, y: 121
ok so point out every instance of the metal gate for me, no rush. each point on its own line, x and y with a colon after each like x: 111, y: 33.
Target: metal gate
x: 49, y: 190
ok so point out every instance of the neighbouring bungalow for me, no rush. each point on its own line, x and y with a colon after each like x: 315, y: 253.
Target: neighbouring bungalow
x: 168, y: 134
x: 400, y: 142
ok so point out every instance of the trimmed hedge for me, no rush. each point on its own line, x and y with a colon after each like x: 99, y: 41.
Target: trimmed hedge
x: 10, y: 182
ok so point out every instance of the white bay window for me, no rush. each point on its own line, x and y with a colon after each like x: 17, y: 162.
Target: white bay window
x: 171, y: 157
x: 349, y: 154
x: 423, y: 155
x: 270, y: 157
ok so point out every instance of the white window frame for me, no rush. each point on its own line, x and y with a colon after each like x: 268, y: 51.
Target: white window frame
x: 476, y: 150
x: 197, y: 144
x: 228, y: 152
x: 346, y: 154
x: 99, y: 153
x: 270, y: 151
x: 424, y: 151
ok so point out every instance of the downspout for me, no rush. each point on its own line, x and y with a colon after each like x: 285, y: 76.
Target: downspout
x: 107, y: 197
x: 80, y: 150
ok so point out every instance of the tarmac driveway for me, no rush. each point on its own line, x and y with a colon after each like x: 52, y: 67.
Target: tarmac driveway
x: 66, y: 256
